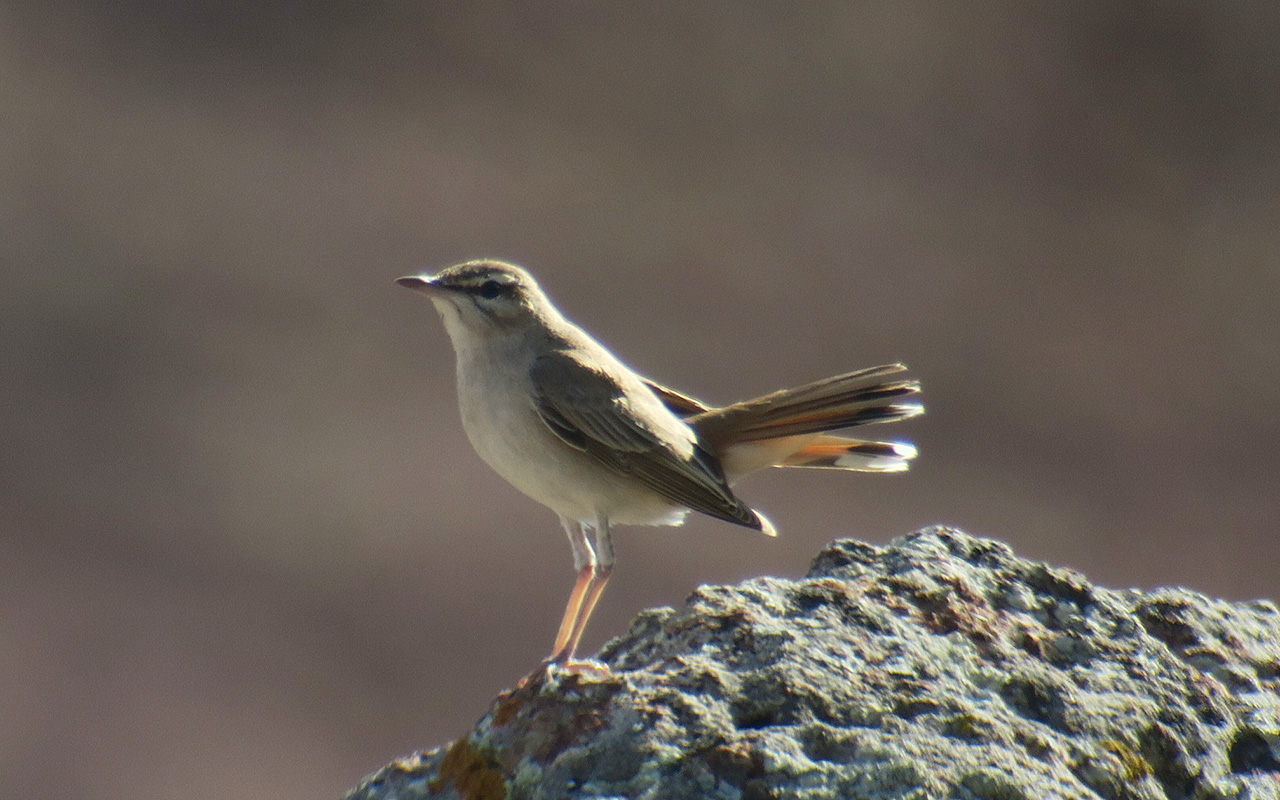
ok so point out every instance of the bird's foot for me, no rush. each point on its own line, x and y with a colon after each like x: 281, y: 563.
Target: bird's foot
x: 583, y: 666
x: 587, y: 667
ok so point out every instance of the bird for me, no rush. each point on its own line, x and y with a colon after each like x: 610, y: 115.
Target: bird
x: 567, y: 423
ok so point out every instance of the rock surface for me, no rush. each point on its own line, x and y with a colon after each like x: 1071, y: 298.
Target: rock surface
x: 939, y: 666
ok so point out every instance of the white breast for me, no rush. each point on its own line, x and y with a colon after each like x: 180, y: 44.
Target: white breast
x: 498, y: 414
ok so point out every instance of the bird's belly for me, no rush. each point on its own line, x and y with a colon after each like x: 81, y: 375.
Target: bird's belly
x: 512, y: 439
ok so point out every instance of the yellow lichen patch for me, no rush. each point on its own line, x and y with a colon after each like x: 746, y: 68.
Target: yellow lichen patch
x: 409, y: 764
x: 505, y: 709
x: 473, y: 776
x: 1135, y: 766
x: 967, y: 726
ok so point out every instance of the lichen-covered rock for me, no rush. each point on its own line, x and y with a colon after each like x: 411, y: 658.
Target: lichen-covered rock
x: 939, y: 666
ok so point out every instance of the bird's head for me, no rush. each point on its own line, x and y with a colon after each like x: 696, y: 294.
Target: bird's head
x: 483, y: 297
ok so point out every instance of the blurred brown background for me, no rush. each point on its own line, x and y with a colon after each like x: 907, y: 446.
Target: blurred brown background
x: 245, y: 547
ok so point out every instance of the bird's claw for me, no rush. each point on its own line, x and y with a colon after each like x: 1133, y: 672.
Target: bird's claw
x: 586, y: 666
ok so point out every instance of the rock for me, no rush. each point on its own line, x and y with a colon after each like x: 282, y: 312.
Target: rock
x: 940, y: 665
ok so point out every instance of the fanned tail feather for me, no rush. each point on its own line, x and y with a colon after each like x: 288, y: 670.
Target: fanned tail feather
x: 843, y: 401
x: 837, y: 452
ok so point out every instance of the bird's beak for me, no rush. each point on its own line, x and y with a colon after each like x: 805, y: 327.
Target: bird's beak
x: 422, y: 284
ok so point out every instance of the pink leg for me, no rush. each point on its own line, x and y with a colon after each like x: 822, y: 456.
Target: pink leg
x: 562, y: 650
x: 594, y: 561
x: 594, y: 589
x: 601, y: 548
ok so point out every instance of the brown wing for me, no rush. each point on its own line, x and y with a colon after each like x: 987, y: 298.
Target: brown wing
x: 589, y: 410
x: 682, y: 405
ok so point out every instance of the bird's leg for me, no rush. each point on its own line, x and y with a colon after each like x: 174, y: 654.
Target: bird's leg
x: 603, y: 568
x: 584, y: 560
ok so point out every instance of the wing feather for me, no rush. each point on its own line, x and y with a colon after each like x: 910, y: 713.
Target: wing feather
x: 590, y: 411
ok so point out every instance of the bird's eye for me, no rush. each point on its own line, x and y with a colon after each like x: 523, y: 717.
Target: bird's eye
x: 490, y: 289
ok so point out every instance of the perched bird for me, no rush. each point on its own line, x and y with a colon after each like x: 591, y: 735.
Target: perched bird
x: 567, y: 423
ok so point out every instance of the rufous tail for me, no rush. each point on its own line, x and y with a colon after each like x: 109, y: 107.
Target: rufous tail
x: 789, y: 428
